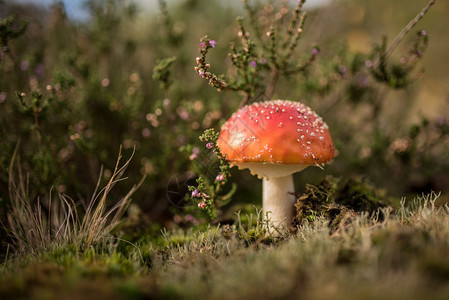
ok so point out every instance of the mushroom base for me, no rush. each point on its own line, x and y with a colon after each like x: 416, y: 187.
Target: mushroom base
x: 278, y: 200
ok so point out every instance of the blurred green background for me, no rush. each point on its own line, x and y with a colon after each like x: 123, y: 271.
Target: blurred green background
x: 94, y: 89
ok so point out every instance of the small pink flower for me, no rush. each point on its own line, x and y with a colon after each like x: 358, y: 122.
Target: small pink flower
x: 315, y: 51
x: 201, y: 73
x: 202, y: 204
x: 195, y: 193
x: 193, y: 156
x: 202, y: 44
x: 209, y: 145
x: 368, y: 64
x: 212, y: 43
x: 220, y: 177
x: 146, y: 133
x: 252, y: 64
x: 184, y: 115
x: 192, y: 219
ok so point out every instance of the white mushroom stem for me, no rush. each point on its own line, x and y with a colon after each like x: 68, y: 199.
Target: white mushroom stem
x: 278, y: 199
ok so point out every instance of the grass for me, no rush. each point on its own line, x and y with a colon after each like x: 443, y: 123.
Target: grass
x: 404, y: 256
x: 34, y: 228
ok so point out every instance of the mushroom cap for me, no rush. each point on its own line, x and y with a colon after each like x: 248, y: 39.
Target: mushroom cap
x: 276, y: 138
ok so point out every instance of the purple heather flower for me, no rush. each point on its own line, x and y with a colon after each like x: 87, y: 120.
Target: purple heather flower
x: 195, y: 193
x: 368, y: 64
x: 212, y: 43
x: 209, y: 145
x: 202, y: 44
x: 192, y: 219
x: 202, y: 204
x: 184, y: 115
x: 252, y: 64
x: 39, y: 70
x: 423, y: 33
x: 220, y: 177
x: 315, y: 51
x: 201, y: 73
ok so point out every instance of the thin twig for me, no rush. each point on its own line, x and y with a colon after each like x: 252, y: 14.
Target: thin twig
x: 407, y: 28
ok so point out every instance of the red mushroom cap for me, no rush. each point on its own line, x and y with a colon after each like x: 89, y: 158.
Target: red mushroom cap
x: 276, y: 132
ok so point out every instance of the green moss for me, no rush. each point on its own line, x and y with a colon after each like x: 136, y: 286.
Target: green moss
x: 359, y: 195
x: 339, y: 201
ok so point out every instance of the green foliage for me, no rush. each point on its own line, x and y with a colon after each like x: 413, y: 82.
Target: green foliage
x: 11, y: 28
x: 161, y: 72
x: 397, y: 74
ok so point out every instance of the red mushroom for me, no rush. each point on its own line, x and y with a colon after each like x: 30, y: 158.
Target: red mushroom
x: 275, y: 139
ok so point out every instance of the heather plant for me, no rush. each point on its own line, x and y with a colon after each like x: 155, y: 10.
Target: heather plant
x: 208, y: 194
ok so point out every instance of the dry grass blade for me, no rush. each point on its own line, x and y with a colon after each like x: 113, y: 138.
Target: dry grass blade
x: 95, y: 222
x: 32, y: 229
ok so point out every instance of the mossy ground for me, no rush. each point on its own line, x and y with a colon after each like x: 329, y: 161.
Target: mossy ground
x: 401, y: 255
x: 339, y: 201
